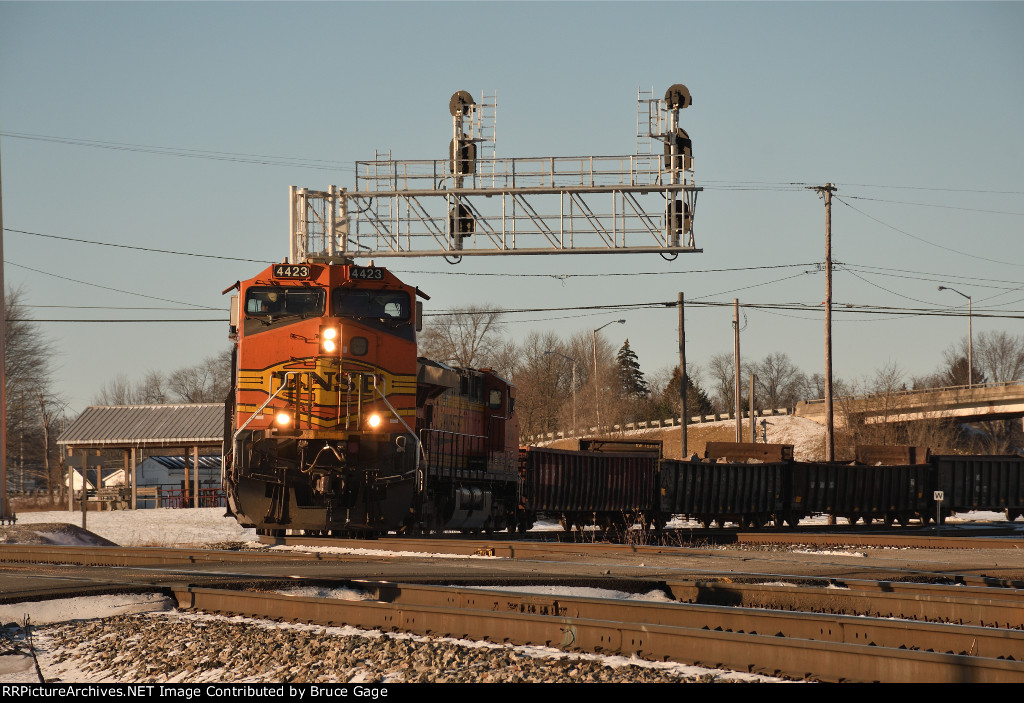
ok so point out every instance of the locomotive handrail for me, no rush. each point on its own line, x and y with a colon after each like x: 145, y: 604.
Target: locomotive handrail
x: 419, y: 447
x: 287, y: 378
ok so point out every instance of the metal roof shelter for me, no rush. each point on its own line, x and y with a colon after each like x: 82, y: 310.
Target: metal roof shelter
x: 131, y: 428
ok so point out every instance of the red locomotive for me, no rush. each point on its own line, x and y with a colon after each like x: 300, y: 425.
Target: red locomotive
x: 338, y: 428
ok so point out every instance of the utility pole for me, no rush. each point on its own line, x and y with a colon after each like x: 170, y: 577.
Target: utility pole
x: 825, y: 192
x: 737, y: 407
x: 682, y: 380
x: 753, y: 425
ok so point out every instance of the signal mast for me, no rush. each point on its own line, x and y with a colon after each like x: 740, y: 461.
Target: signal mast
x: 476, y: 204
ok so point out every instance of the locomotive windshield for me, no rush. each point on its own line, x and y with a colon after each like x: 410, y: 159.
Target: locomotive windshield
x: 271, y: 302
x: 386, y: 305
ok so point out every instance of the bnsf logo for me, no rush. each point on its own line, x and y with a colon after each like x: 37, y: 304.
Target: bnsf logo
x: 333, y: 380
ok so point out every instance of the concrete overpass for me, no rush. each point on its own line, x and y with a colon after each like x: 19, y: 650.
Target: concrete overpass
x: 991, y: 401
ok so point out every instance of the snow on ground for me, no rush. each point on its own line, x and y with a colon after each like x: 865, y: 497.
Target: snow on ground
x: 158, y: 527
x: 167, y: 527
x: 210, y: 526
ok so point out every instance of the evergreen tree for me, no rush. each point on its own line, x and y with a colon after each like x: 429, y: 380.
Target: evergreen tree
x: 697, y: 401
x: 632, y: 383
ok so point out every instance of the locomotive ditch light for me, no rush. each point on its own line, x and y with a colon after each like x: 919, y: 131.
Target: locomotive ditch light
x: 284, y: 424
x: 373, y: 421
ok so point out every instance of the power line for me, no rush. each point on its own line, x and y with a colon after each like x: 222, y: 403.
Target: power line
x: 892, y: 292
x: 932, y: 277
x: 256, y: 159
x: 800, y: 307
x: 945, y: 207
x: 116, y: 290
x: 101, y: 307
x: 925, y: 241
x: 937, y: 189
x: 129, y: 246
x: 220, y: 320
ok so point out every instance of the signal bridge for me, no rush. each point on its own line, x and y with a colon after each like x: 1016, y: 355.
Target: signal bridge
x: 475, y: 204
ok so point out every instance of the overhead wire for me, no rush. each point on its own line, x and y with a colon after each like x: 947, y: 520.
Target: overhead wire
x: 116, y: 290
x: 935, y: 205
x: 922, y: 239
x: 235, y: 157
x: 138, y: 248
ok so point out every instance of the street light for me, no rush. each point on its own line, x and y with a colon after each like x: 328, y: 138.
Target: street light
x: 597, y: 390
x: 575, y: 429
x: 970, y: 336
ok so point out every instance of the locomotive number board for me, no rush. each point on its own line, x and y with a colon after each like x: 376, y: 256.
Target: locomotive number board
x: 299, y: 271
x: 369, y: 273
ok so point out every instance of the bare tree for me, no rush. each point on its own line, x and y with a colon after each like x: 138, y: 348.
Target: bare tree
x: 28, y: 363
x: 205, y: 382
x: 778, y: 381
x: 954, y: 370
x: 1000, y: 356
x: 116, y: 391
x: 812, y: 386
x: 541, y: 384
x: 723, y: 384
x: 470, y: 337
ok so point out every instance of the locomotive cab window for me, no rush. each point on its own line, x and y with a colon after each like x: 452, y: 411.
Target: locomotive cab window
x: 387, y: 305
x: 494, y: 399
x: 273, y: 306
x: 267, y: 302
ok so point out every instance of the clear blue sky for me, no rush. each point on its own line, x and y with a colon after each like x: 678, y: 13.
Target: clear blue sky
x: 914, y: 111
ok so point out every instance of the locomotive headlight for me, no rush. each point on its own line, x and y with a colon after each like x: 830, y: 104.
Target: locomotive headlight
x: 329, y: 339
x: 373, y: 421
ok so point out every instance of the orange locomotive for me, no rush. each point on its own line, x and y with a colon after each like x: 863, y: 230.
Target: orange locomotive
x: 338, y: 428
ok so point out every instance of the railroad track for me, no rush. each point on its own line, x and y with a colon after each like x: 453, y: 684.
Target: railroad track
x: 834, y: 628
x: 798, y: 645
x: 513, y: 548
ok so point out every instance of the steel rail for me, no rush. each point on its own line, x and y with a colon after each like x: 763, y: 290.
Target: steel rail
x: 769, y: 654
x: 165, y: 556
x: 149, y: 556
x: 849, y: 629
x: 990, y: 607
x: 523, y: 548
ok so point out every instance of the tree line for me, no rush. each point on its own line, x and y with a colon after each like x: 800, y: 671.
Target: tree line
x: 581, y: 381
x: 37, y: 411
